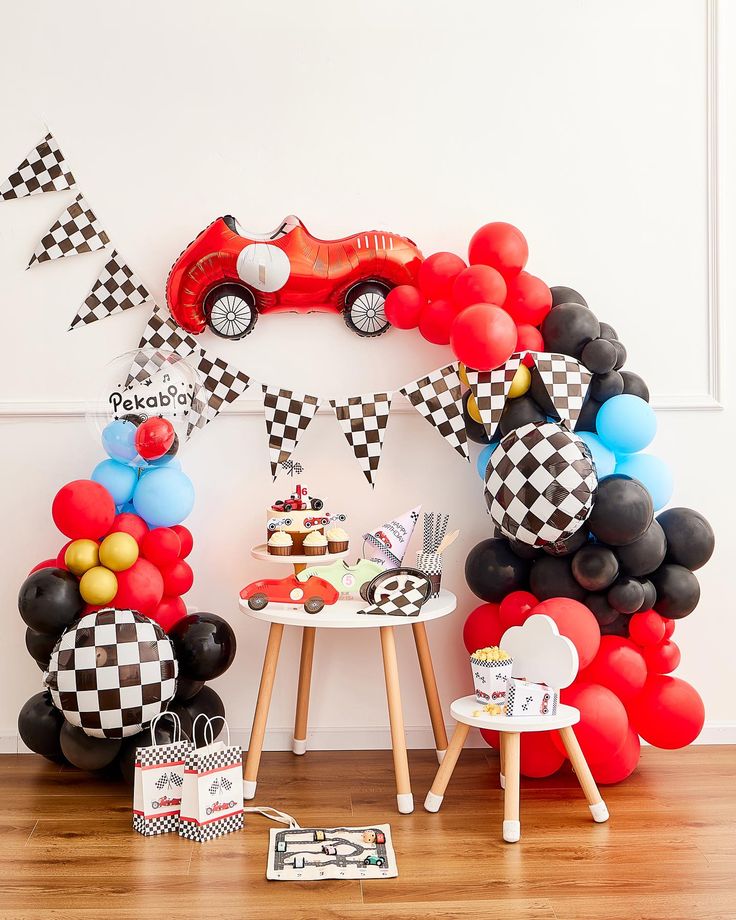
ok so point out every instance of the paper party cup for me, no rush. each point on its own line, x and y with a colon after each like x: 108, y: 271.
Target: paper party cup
x: 431, y: 565
x: 490, y: 679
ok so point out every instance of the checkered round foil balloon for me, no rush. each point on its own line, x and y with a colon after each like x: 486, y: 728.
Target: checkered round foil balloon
x: 540, y: 484
x: 112, y: 672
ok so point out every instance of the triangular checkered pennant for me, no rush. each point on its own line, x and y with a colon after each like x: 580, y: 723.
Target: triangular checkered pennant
x: 363, y: 420
x: 490, y: 389
x: 43, y: 170
x: 76, y: 231
x: 566, y: 381
x: 438, y: 398
x: 221, y: 383
x: 116, y: 289
x: 288, y: 415
x: 161, y: 332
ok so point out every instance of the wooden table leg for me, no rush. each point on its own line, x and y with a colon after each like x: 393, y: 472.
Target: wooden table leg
x: 447, y: 766
x: 580, y: 765
x: 502, y: 770
x: 430, y: 689
x: 404, y: 798
x: 260, y: 717
x: 511, y: 747
x: 302, y: 698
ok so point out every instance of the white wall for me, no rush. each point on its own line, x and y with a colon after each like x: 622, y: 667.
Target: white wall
x: 587, y: 124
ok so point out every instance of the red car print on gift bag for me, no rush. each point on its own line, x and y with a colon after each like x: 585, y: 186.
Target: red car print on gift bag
x: 226, y: 277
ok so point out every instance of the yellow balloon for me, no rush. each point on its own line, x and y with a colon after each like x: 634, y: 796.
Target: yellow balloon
x: 463, y: 374
x: 81, y: 555
x: 521, y: 382
x: 118, y: 551
x: 473, y: 410
x: 98, y: 585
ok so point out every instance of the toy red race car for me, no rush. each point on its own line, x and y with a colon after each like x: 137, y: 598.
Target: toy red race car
x: 299, y: 500
x: 226, y: 277
x: 313, y: 593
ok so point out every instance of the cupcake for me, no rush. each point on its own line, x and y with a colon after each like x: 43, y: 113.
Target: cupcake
x: 280, y: 543
x: 337, y: 540
x: 315, y: 544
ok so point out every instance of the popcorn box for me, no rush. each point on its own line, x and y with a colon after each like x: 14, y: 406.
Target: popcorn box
x: 525, y: 698
x: 490, y: 679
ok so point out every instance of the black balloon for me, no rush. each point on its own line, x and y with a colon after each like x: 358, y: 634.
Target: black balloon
x: 569, y: 546
x: 87, y: 753
x: 690, y: 538
x: 602, y: 610
x: 493, y: 570
x: 599, y: 356
x: 622, y: 510
x: 185, y: 717
x: 186, y: 689
x: 606, y: 386
x: 620, y: 355
x: 49, y: 600
x: 650, y: 595
x: 204, y: 644
x: 133, y: 418
x: 595, y: 568
x: 562, y: 294
x: 678, y: 591
x: 645, y: 554
x: 40, y: 646
x: 39, y: 725
x: 626, y: 595
x: 635, y: 386
x: 551, y: 576
x: 587, y: 417
x: 619, y: 627
x: 568, y: 328
x: 207, y: 703
x: 476, y: 431
x: 518, y: 412
x: 608, y: 332
x: 166, y: 733
x: 524, y: 550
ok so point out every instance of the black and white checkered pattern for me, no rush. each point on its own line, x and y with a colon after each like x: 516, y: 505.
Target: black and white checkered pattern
x: 540, y: 484
x: 43, y: 170
x: 406, y: 603
x: 161, y: 332
x: 215, y: 760
x: 201, y: 833
x: 151, y: 827
x: 154, y: 755
x: 566, y: 380
x: 112, y: 672
x: 288, y: 415
x: 438, y: 398
x: 116, y: 289
x: 491, y: 389
x: 76, y: 231
x: 221, y: 383
x: 363, y: 420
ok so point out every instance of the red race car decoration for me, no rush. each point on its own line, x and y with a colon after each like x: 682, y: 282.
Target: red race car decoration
x: 313, y: 593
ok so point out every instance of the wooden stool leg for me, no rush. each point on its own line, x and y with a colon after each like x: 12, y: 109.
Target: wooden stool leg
x: 299, y: 745
x: 404, y: 798
x: 447, y: 766
x: 511, y: 747
x: 430, y: 689
x: 260, y: 716
x: 580, y: 765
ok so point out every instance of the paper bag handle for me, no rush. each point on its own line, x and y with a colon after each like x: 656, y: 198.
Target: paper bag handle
x: 274, y: 815
x: 177, y: 725
x: 212, y: 731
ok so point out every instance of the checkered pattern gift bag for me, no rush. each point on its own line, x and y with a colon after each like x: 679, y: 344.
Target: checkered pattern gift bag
x: 158, y: 781
x: 212, y: 794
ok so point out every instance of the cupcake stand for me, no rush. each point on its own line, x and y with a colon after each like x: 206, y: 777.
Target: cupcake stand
x: 344, y: 615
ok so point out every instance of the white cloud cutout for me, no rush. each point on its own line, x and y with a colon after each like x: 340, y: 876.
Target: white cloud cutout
x: 540, y: 653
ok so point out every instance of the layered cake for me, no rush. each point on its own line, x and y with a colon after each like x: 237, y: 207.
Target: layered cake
x: 298, y: 516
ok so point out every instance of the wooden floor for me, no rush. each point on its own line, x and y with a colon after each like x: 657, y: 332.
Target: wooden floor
x: 669, y: 851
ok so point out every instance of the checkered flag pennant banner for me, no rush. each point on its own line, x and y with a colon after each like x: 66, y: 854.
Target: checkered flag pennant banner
x: 76, y: 231
x: 116, y: 289
x: 363, y: 420
x: 43, y: 170
x: 220, y: 384
x: 491, y: 389
x: 438, y: 397
x: 566, y: 381
x: 161, y: 332
x: 288, y: 415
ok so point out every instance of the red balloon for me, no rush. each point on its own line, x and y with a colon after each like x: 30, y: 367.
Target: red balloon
x: 140, y: 587
x: 83, y: 509
x: 501, y: 245
x: 47, y: 564
x: 528, y: 338
x: 528, y: 299
x: 61, y: 558
x: 539, y: 754
x: 646, y: 628
x: 621, y: 764
x: 404, y: 305
x: 668, y: 712
x: 169, y: 611
x: 437, y: 274
x: 186, y: 539
x: 491, y: 737
x: 483, y: 336
x: 178, y: 578
x: 154, y: 437
x: 130, y: 523
x: 603, y: 723
x: 482, y: 628
x: 575, y: 621
x: 669, y: 628
x: 663, y: 658
x: 436, y: 320
x: 162, y: 547
x: 618, y: 665
x: 515, y: 608
x: 478, y: 284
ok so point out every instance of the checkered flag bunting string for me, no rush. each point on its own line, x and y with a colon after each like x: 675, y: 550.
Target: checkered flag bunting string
x: 43, y: 170
x: 363, y: 420
x: 438, y: 398
x: 161, y: 332
x: 116, y: 289
x: 221, y: 383
x: 76, y: 231
x: 491, y: 389
x: 288, y: 415
x: 566, y: 381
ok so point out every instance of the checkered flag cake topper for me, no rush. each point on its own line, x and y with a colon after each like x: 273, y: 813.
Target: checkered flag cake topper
x: 221, y: 384
x: 77, y: 230
x: 116, y: 289
x: 288, y: 415
x: 43, y: 170
x: 566, y: 381
x: 438, y: 398
x: 491, y: 389
x: 363, y: 420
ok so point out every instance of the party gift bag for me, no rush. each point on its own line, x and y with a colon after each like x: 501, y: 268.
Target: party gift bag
x: 158, y: 781
x: 212, y: 795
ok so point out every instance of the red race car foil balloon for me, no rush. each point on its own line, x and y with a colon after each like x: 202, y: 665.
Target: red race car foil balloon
x: 227, y: 276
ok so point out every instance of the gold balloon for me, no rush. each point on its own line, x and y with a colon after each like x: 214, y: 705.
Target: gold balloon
x: 473, y: 410
x: 521, y: 382
x: 463, y: 374
x: 81, y: 555
x: 118, y: 551
x: 98, y: 585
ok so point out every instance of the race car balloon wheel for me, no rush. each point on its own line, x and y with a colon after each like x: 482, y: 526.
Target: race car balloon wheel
x: 231, y: 311
x: 365, y: 309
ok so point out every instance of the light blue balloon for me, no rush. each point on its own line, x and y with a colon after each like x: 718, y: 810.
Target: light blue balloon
x: 626, y: 423
x: 171, y: 463
x: 164, y: 497
x: 127, y: 508
x: 483, y: 457
x: 118, y: 439
x: 604, y: 459
x: 118, y: 478
x: 652, y: 472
